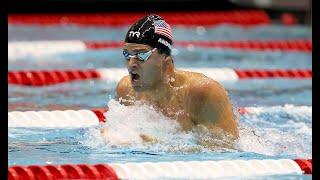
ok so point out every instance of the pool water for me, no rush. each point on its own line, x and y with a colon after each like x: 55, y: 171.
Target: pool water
x: 283, y: 128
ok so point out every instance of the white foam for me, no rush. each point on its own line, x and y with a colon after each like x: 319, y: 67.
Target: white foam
x: 125, y: 124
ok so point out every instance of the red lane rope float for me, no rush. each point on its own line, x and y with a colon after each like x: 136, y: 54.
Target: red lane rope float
x: 305, y: 165
x: 262, y: 74
x: 67, y: 171
x: 46, y: 77
x: 284, y: 45
x: 42, y: 78
x: 202, y: 18
x: 173, y: 169
x: 21, y: 172
x: 100, y: 114
x: 103, y: 44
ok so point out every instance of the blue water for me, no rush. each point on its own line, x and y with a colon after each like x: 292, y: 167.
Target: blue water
x: 275, y: 134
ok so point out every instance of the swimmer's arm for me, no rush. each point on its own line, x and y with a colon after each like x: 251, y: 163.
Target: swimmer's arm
x: 123, y: 91
x: 212, y: 108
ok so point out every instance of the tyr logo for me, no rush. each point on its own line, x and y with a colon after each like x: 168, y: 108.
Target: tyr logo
x: 132, y: 34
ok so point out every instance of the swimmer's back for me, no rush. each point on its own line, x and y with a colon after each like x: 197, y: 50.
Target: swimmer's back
x: 195, y: 79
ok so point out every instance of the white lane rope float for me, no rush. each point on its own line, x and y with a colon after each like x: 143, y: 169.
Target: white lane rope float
x: 87, y: 118
x: 205, y: 169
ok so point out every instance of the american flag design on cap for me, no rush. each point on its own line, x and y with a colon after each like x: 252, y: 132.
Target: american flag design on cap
x: 162, y: 28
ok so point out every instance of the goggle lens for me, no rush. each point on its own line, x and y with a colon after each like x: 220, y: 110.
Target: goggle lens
x: 142, y: 56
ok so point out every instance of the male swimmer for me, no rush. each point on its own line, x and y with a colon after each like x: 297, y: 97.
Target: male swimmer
x: 190, y: 98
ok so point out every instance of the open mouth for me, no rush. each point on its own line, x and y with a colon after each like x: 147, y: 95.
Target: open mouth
x: 134, y: 76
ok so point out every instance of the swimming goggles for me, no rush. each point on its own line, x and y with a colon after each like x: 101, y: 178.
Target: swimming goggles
x: 142, y: 56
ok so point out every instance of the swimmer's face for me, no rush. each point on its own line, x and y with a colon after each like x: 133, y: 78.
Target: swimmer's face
x: 144, y: 75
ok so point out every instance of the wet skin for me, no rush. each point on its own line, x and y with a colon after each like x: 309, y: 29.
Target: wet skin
x: 191, y: 98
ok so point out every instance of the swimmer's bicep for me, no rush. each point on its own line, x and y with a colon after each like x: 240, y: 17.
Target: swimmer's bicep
x: 210, y: 112
x: 209, y: 105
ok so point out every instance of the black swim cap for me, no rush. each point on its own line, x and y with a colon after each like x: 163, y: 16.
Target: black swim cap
x: 153, y: 31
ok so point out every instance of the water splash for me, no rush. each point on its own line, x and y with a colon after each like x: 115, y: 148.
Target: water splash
x: 128, y: 125
x: 279, y: 131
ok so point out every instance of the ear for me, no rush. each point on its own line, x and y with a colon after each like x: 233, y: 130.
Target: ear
x: 168, y: 60
x: 165, y: 62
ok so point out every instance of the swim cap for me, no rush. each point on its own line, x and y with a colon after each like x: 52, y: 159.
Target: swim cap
x: 153, y: 31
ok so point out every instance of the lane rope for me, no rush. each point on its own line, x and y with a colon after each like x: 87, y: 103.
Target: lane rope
x: 189, y: 18
x: 173, y: 169
x: 50, y: 77
x: 20, y: 49
x: 86, y: 118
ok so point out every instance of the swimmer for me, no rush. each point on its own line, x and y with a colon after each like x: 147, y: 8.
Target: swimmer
x: 191, y: 98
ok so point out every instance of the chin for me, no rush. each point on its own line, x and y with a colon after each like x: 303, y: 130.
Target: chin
x: 140, y: 87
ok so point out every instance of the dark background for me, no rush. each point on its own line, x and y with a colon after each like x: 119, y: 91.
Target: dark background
x: 300, y: 8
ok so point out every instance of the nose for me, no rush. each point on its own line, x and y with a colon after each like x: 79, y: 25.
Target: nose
x: 133, y: 63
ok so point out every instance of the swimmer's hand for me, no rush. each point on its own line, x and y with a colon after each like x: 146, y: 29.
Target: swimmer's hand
x: 148, y: 138
x: 114, y: 140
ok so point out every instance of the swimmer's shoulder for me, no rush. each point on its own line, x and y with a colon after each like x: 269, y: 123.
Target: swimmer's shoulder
x: 124, y: 87
x: 124, y: 82
x: 199, y: 80
x: 208, y: 104
x: 201, y: 85
x: 189, y: 76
